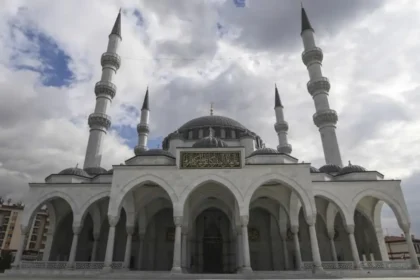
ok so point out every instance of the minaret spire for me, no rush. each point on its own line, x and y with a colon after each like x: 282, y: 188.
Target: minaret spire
x: 143, y: 126
x: 99, y: 122
x: 319, y: 86
x: 277, y: 98
x: 116, y: 30
x: 306, y: 24
x: 281, y: 126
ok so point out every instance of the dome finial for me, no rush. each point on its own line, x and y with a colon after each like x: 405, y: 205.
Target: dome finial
x: 349, y: 163
x: 77, y: 164
x: 211, y: 109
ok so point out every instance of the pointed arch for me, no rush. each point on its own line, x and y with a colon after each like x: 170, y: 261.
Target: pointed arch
x: 340, y: 206
x: 400, y: 214
x: 30, y: 208
x: 308, y: 203
x: 120, y: 194
x: 84, y: 209
x: 211, y: 178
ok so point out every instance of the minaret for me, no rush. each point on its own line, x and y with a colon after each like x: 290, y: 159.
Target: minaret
x: 99, y: 122
x: 143, y: 126
x: 281, y: 125
x: 318, y: 86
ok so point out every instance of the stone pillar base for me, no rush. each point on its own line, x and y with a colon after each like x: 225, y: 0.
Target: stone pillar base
x: 176, y: 270
x: 317, y: 269
x: 246, y: 269
x: 107, y: 269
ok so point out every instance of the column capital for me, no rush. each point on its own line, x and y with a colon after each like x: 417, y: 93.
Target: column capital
x: 331, y: 234
x: 178, y: 221
x: 130, y: 229
x: 77, y: 229
x: 405, y: 228
x: 113, y: 220
x: 294, y: 229
x: 350, y: 229
x: 244, y: 220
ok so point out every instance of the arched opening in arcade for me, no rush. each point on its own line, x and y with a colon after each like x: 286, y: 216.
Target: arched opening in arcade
x: 332, y: 233
x: 149, y: 225
x: 278, y: 233
x: 210, y: 233
x: 51, y: 219
x: 371, y: 227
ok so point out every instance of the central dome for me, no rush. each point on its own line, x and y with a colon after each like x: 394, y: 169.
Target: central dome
x: 213, y: 121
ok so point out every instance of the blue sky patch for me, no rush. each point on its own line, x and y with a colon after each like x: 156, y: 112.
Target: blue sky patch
x: 54, y: 61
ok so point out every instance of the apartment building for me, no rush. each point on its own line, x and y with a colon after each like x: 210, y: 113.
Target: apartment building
x: 10, y: 234
x: 398, y: 249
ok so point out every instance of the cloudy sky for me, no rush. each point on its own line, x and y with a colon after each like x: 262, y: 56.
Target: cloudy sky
x: 192, y: 53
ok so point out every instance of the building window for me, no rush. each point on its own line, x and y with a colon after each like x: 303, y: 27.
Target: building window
x: 33, y: 238
x: 31, y: 245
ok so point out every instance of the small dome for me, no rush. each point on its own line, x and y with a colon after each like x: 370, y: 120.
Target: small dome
x: 111, y: 171
x: 74, y: 171
x: 155, y: 152
x: 330, y: 168
x: 95, y: 170
x: 210, y: 142
x: 314, y: 170
x: 264, y: 151
x: 351, y: 168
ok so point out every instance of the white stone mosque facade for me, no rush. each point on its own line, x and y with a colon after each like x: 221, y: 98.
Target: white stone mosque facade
x: 214, y: 199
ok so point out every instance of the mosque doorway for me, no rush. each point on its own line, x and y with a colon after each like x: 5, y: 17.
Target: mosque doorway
x: 213, y: 248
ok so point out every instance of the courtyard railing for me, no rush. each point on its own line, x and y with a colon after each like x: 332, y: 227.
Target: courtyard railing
x: 368, y: 265
x: 393, y: 265
x: 64, y: 265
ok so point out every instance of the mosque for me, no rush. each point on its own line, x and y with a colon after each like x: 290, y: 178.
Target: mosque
x: 215, y: 199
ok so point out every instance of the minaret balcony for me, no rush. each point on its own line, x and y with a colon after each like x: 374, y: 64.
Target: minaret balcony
x: 318, y: 85
x: 281, y: 126
x: 312, y: 55
x: 285, y: 149
x: 99, y: 121
x: 327, y: 117
x: 143, y: 128
x: 105, y: 88
x: 109, y: 59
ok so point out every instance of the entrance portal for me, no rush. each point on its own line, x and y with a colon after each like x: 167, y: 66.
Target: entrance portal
x: 213, y: 251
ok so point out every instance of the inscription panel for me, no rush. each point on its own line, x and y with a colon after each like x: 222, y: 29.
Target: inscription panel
x: 206, y: 160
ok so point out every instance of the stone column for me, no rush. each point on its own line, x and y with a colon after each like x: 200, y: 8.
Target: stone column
x: 127, y: 255
x: 140, y: 253
x: 316, y: 257
x: 95, y: 246
x: 353, y: 246
x: 73, y: 251
x: 239, y: 253
x: 184, y: 250
x: 411, y: 249
x: 176, y: 267
x: 283, y: 235
x: 245, y: 245
x: 24, y: 236
x: 48, y: 245
x: 333, y: 250
x: 109, y: 255
x: 298, y: 255
x: 381, y: 243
